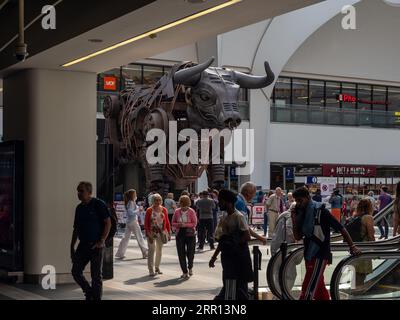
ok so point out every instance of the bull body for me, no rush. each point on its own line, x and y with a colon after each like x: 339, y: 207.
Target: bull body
x: 196, y: 97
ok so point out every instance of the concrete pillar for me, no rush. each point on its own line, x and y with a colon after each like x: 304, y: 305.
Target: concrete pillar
x: 54, y: 112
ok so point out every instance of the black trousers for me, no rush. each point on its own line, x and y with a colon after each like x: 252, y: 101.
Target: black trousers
x: 206, y: 226
x: 83, y: 255
x: 185, y: 247
x: 235, y: 285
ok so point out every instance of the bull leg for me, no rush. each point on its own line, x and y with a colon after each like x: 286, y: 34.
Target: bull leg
x: 216, y: 176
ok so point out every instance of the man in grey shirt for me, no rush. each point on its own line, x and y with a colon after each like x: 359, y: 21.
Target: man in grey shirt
x: 204, y: 208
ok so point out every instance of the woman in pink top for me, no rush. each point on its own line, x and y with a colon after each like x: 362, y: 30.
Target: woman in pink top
x: 184, y: 221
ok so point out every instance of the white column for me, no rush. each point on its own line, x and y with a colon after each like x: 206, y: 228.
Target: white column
x: 54, y: 113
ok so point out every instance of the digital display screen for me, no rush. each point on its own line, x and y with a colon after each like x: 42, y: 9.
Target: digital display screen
x: 6, y: 199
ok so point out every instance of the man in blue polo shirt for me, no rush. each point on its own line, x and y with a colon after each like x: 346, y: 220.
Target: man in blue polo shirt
x: 91, y: 226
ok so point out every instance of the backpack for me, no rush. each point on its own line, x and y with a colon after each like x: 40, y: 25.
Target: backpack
x: 353, y: 227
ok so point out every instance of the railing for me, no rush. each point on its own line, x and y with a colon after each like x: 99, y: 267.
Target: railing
x: 292, y: 113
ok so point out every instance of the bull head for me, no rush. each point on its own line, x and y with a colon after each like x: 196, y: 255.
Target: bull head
x: 213, y: 93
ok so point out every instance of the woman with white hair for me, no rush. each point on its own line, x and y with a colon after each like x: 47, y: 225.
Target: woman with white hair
x: 132, y: 225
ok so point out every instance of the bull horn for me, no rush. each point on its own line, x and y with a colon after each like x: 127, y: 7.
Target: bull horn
x: 255, y: 82
x: 191, y: 76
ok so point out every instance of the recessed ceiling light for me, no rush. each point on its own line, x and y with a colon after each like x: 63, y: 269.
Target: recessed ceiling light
x: 196, y: 1
x: 154, y: 31
x: 95, y: 40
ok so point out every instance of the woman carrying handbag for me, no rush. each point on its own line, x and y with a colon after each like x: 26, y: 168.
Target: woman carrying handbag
x: 158, y: 232
x: 184, y: 221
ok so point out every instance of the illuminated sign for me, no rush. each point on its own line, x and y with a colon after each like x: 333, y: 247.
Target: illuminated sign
x: 330, y: 170
x: 343, y: 97
x: 110, y: 83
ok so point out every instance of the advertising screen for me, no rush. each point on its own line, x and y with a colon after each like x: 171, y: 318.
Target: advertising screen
x: 11, y: 199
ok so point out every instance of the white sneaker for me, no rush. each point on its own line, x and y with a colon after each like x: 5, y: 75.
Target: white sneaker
x: 185, y: 276
x: 152, y: 274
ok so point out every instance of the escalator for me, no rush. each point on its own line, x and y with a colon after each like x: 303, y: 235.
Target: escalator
x: 382, y: 280
x: 293, y: 271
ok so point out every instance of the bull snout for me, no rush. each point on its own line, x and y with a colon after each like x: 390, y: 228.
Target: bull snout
x: 231, y: 115
x: 233, y: 121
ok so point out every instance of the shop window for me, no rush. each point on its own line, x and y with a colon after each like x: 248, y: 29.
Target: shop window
x: 317, y: 93
x: 151, y: 74
x: 364, y: 104
x: 332, y: 94
x: 131, y: 75
x: 316, y: 101
x: 282, y: 91
x: 379, y: 106
x: 300, y: 91
x: 394, y: 106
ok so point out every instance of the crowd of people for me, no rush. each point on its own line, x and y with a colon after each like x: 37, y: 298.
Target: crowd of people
x: 222, y: 218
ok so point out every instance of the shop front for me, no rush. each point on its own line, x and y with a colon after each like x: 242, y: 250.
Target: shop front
x: 347, y: 178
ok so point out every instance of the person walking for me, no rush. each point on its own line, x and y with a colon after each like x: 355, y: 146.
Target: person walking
x: 396, y: 212
x: 184, y: 221
x: 170, y: 205
x: 265, y: 224
x: 336, y: 201
x: 92, y: 225
x: 361, y: 229
x: 216, y: 211
x: 205, y: 207
x: 132, y: 226
x: 313, y: 226
x: 275, y: 206
x: 158, y: 230
x: 247, y: 192
x: 233, y: 235
x: 383, y: 201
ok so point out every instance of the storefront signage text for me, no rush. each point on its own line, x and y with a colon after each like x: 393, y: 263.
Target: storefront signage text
x: 352, y: 99
x: 348, y: 171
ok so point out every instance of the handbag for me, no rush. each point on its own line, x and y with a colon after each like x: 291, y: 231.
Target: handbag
x: 164, y: 237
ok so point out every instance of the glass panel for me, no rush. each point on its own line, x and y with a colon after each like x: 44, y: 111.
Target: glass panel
x: 282, y: 91
x: 243, y: 94
x: 131, y: 75
x: 364, y: 104
x: 300, y: 91
x: 317, y: 93
x: 379, y: 106
x: 333, y: 115
x: 151, y: 74
x: 332, y: 94
x: 394, y: 106
x: 370, y: 279
x: 349, y: 103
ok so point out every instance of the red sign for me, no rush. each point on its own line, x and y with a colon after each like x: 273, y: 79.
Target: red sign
x: 110, y: 83
x: 334, y: 170
x: 352, y: 99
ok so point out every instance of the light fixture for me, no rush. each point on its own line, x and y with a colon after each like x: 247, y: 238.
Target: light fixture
x: 95, y: 40
x: 154, y: 31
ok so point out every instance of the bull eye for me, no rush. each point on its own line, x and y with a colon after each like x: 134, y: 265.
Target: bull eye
x: 204, y: 97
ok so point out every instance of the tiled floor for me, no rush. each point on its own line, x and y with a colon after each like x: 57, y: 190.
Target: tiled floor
x: 131, y: 280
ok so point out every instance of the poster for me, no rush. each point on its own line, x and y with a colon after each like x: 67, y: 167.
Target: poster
x: 257, y: 217
x: 327, y: 188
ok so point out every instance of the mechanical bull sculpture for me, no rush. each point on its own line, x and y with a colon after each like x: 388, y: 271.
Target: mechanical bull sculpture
x: 195, y: 96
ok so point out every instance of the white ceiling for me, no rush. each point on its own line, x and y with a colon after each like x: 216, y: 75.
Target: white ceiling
x: 150, y: 17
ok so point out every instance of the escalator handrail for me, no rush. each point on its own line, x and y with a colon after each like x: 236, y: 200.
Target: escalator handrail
x: 334, y: 284
x: 293, y: 246
x: 389, y: 244
x: 270, y: 268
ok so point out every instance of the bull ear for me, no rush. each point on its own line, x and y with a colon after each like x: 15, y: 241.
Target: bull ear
x: 255, y: 82
x: 191, y: 76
